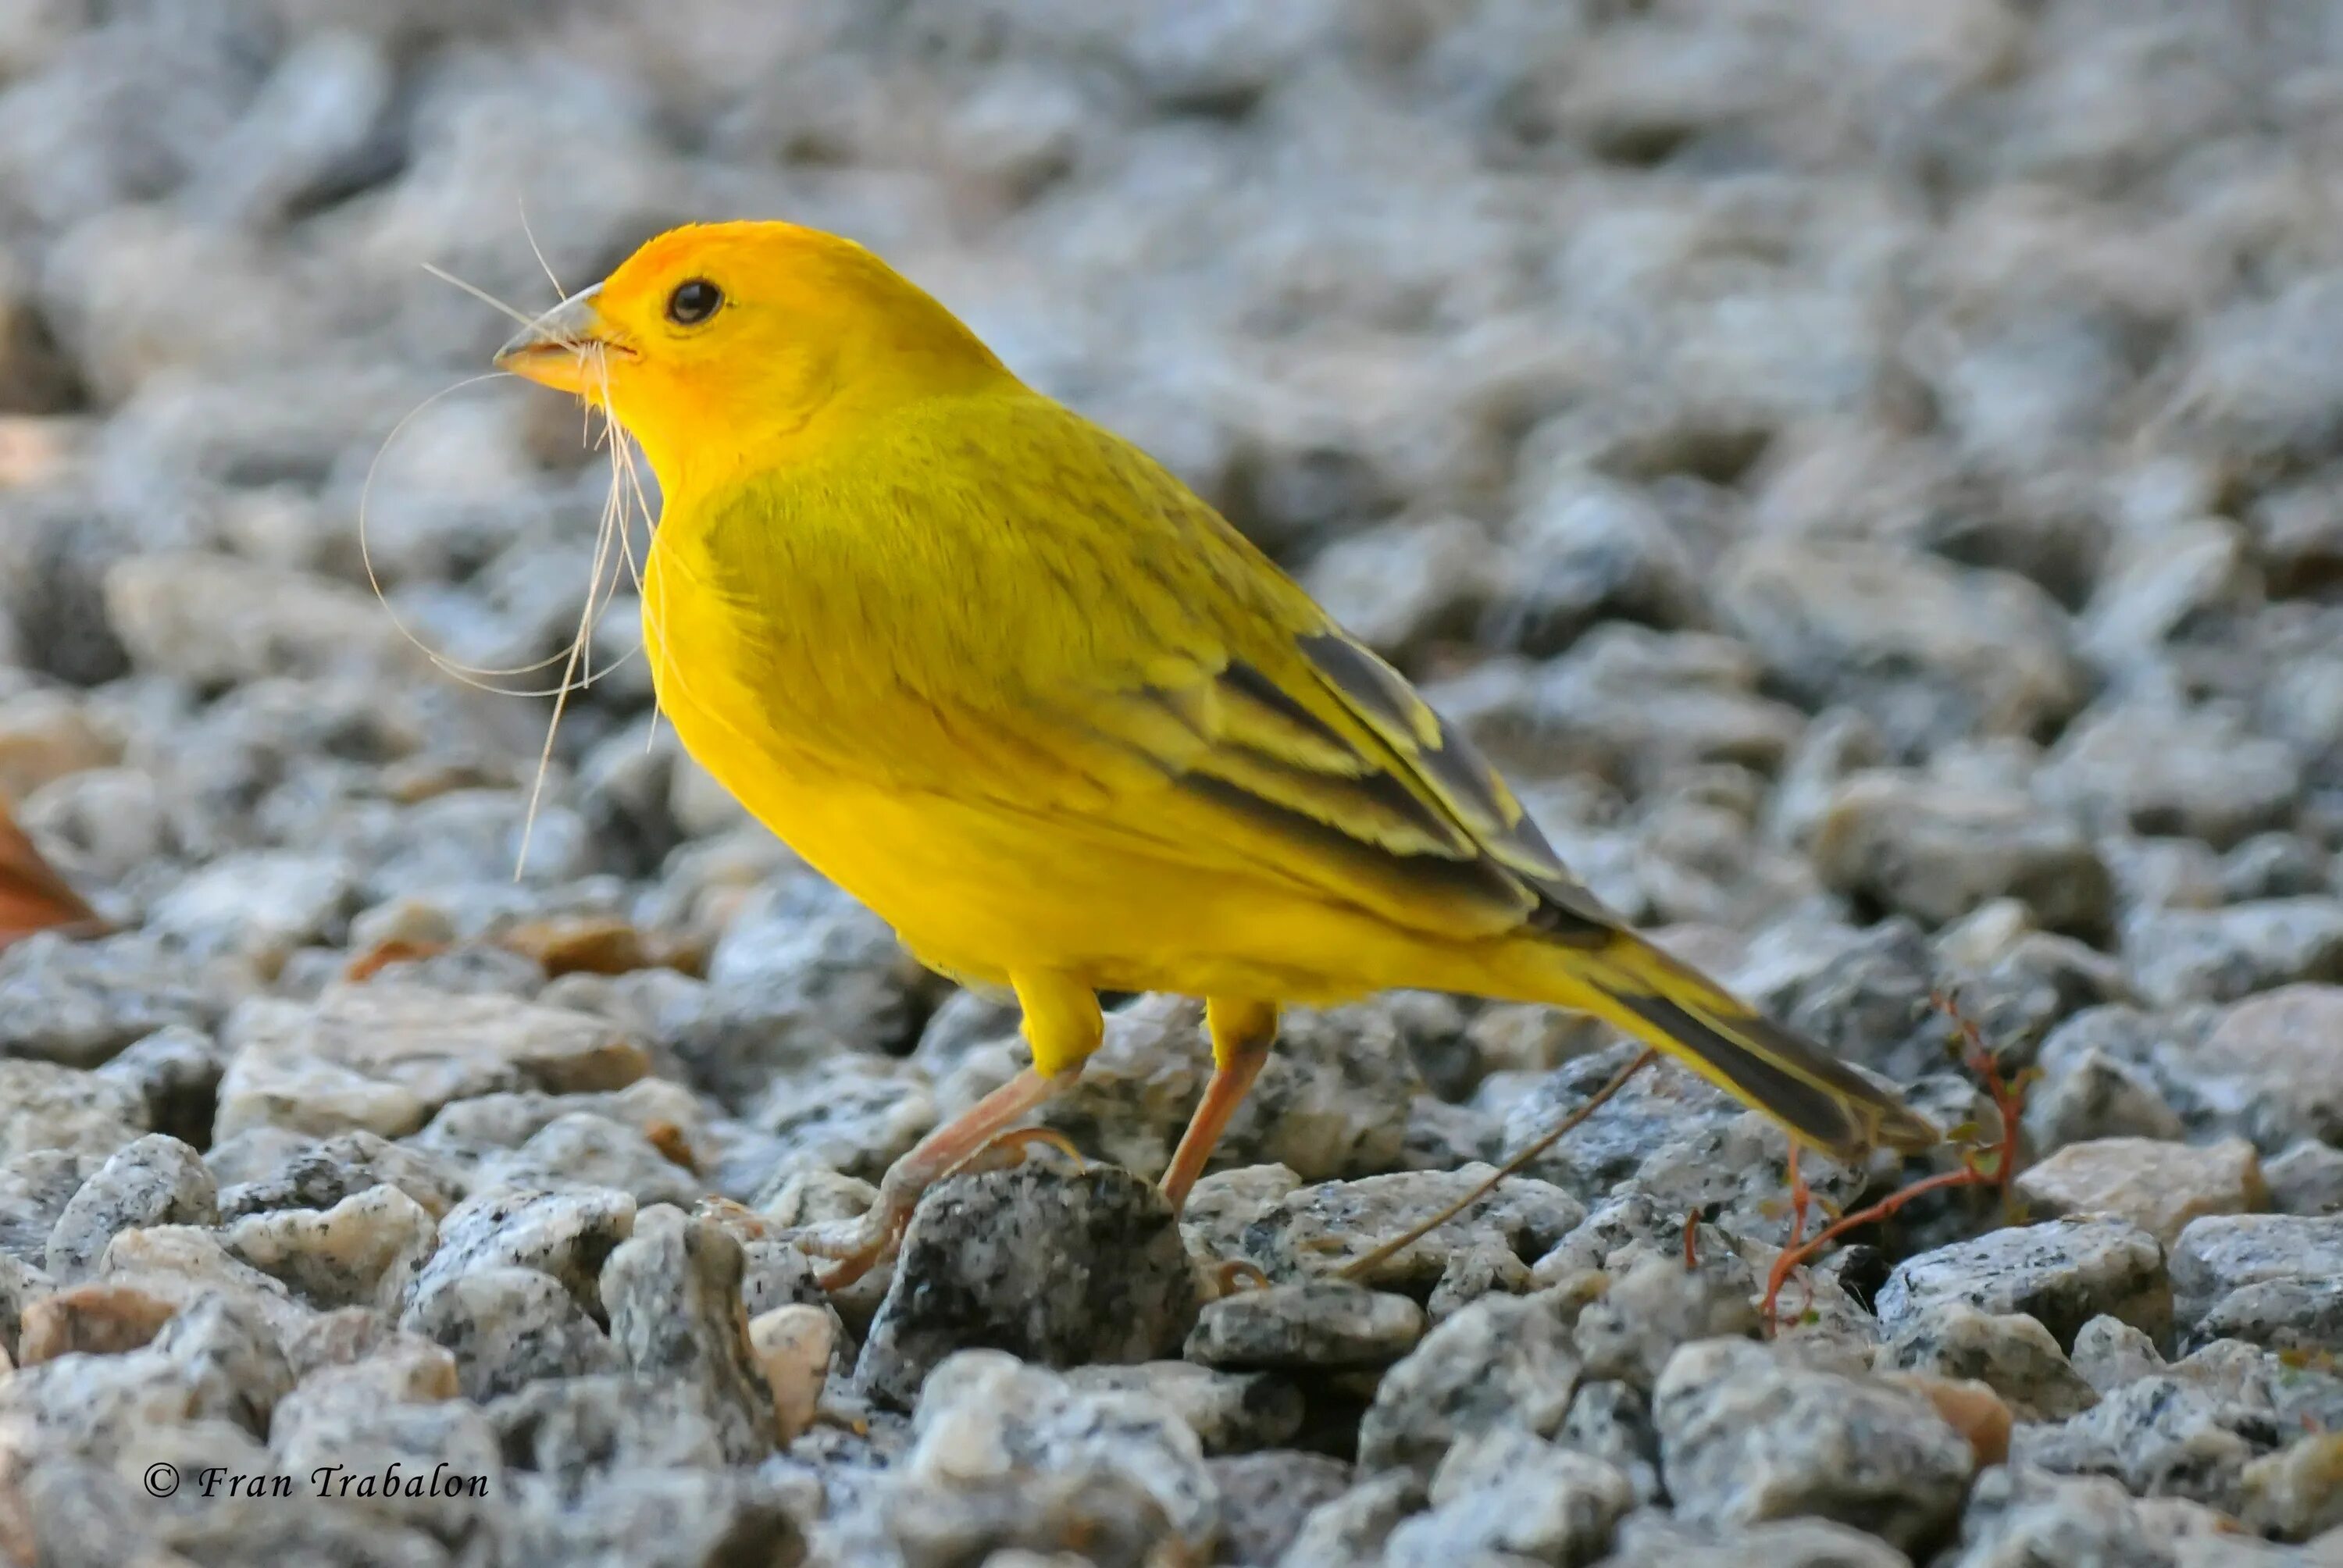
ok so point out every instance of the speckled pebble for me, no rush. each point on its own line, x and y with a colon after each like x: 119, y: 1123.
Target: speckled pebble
x: 1317, y: 1322
x: 568, y: 1234
x: 2274, y: 1280
x: 508, y: 1328
x: 984, y: 1264
x: 1745, y: 1437
x: 155, y: 1181
x: 672, y: 1291
x: 2062, y: 1273
x: 2010, y: 1352
x: 1503, y: 1361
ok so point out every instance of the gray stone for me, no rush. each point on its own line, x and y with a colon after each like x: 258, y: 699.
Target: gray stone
x: 2196, y: 774
x: 44, y: 1107
x: 586, y: 1149
x: 1655, y: 1539
x: 983, y: 1417
x: 2159, y: 1436
x: 574, y: 1431
x: 1229, y: 1412
x: 1586, y: 549
x: 1746, y: 1437
x: 1629, y: 1333
x: 1506, y: 1491
x: 2272, y: 1067
x: 229, y: 1357
x: 508, y: 1328
x: 258, y: 906
x: 395, y: 1407
x: 213, y: 617
x: 1316, y: 1323
x: 1063, y: 1270
x: 176, y: 1070
x: 267, y: 1169
x: 568, y: 1234
x: 2061, y: 1273
x: 1936, y: 851
x: 1629, y: 705
x: 182, y: 1265
x: 1353, y: 1528
x: 155, y: 1181
x: 857, y: 1114
x: 2182, y: 956
x: 1503, y: 1361
x: 80, y: 1003
x: 1319, y: 1230
x: 2156, y: 1185
x: 659, y: 1519
x: 2274, y: 866
x: 485, y: 1129
x: 2273, y: 1280
x: 1265, y: 1497
x: 382, y: 1058
x: 2018, y: 1514
x: 35, y: 1187
x: 801, y: 972
x: 2305, y: 1179
x: 364, y: 1251
x: 2109, y: 1352
x: 1022, y: 1520
x: 2011, y: 1353
x: 1613, y: 1421
x: 1927, y: 651
x: 215, y: 1361
x: 20, y: 1286
x: 2086, y: 1096
x: 1472, y: 1275
x: 672, y: 1291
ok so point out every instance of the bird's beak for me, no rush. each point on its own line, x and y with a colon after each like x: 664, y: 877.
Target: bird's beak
x: 553, y: 350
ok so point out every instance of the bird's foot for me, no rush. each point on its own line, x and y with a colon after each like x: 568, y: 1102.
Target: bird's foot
x: 860, y: 1244
x: 857, y: 1245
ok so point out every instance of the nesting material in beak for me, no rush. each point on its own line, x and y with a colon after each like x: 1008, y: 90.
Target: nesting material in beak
x: 554, y: 350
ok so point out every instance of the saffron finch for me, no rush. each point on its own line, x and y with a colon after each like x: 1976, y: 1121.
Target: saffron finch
x: 999, y: 674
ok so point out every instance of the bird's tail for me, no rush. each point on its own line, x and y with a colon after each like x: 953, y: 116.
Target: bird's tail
x: 1669, y: 1005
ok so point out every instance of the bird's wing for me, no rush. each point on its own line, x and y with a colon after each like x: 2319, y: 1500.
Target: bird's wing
x: 1214, y: 713
x: 1323, y: 763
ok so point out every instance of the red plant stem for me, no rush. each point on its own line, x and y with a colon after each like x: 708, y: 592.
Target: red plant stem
x: 1790, y: 1257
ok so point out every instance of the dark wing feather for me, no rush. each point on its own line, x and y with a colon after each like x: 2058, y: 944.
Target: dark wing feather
x: 1361, y: 785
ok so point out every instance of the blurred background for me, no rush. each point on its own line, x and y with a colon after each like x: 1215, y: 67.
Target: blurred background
x: 1848, y: 458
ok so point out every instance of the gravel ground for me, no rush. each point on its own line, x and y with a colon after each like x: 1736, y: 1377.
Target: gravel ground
x: 1871, y: 470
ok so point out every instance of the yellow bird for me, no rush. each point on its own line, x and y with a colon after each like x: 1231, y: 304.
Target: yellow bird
x: 1000, y: 674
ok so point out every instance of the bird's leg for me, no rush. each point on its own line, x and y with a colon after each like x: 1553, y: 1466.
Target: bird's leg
x: 1062, y: 1026
x: 1242, y: 1032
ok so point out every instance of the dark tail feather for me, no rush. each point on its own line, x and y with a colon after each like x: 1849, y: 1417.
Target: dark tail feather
x: 1670, y: 1006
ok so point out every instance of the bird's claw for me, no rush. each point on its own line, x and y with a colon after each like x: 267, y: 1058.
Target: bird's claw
x: 857, y: 1245
x: 1216, y: 1280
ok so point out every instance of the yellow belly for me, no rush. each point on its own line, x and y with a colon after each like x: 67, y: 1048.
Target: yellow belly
x: 989, y: 894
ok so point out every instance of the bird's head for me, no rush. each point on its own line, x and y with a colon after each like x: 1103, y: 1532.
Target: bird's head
x: 720, y: 346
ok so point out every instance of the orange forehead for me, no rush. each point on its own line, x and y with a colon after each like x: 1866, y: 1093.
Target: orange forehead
x: 765, y: 250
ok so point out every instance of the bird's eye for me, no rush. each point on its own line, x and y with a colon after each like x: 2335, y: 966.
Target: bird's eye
x: 693, y: 302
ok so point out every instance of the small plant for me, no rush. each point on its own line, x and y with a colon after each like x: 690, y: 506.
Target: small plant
x: 1984, y: 1162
